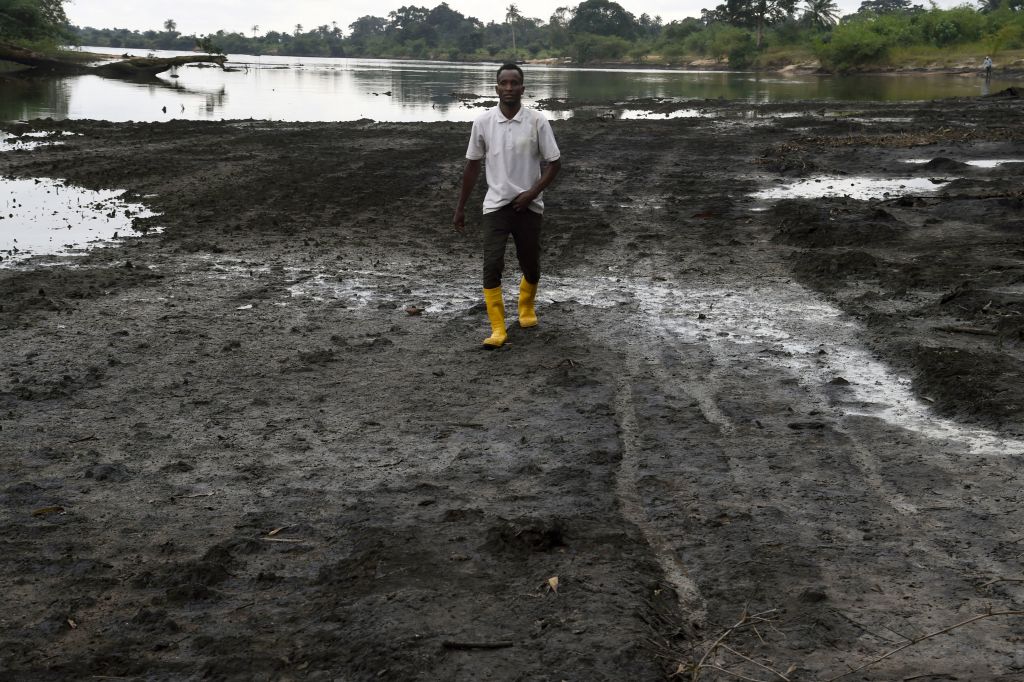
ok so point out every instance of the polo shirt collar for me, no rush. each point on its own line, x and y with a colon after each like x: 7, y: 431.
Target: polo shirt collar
x: 501, y: 117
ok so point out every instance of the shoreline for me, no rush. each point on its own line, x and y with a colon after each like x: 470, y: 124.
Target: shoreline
x: 795, y: 69
x: 1013, y: 72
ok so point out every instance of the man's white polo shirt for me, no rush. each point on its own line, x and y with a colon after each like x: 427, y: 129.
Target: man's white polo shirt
x: 513, y: 149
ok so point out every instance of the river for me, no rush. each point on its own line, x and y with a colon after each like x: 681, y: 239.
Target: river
x: 323, y: 89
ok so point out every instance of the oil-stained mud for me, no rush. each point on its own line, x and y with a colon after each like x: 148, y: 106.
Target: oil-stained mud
x: 265, y: 443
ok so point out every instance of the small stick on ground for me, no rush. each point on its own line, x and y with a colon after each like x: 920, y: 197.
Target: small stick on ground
x: 465, y: 646
x: 1003, y: 580
x: 82, y: 440
x: 922, y: 638
x: 863, y: 627
x: 978, y: 331
x: 732, y: 674
x: 759, y: 665
x: 744, y: 621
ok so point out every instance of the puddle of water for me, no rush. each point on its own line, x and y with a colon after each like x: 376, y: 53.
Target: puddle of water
x: 785, y: 325
x: 992, y: 163
x: 370, y: 289
x: 633, y: 114
x: 979, y: 163
x: 852, y: 187
x: 41, y: 216
x: 750, y: 114
x: 10, y: 143
x: 880, y: 119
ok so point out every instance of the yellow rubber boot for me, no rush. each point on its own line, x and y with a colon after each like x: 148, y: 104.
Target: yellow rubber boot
x: 496, y: 313
x: 527, y: 295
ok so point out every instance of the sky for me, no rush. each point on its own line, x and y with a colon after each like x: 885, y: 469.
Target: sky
x: 208, y: 16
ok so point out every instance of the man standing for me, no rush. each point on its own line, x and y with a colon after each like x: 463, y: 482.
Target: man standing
x: 987, y: 66
x: 515, y: 141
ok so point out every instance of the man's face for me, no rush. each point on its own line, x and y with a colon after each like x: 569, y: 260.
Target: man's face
x: 510, y: 87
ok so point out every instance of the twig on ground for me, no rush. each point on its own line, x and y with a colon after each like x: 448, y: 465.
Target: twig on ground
x: 465, y: 646
x: 922, y: 638
x: 978, y: 331
x: 1003, y: 580
x: 713, y: 647
x: 732, y: 674
x: 82, y: 440
x: 759, y: 665
x: 862, y: 626
x: 746, y: 620
x: 897, y: 633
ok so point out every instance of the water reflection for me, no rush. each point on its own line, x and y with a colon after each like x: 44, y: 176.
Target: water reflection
x: 853, y: 187
x: 34, y: 98
x: 41, y: 216
x: 29, y: 141
x: 322, y: 89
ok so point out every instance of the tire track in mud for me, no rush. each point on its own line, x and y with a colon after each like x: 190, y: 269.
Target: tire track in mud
x: 744, y: 449
x: 620, y: 176
x: 598, y: 212
x: 841, y: 499
x: 631, y: 503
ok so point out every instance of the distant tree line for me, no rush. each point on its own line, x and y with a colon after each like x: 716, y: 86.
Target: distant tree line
x: 740, y: 33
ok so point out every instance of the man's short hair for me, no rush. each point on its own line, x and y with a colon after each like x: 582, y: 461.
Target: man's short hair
x: 510, y: 67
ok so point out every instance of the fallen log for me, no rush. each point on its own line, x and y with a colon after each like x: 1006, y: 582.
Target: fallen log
x: 133, y: 68
x: 149, y: 67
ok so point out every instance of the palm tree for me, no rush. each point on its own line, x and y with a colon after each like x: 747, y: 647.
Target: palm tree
x: 512, y: 15
x: 255, y: 30
x: 298, y: 29
x: 170, y: 25
x: 823, y: 13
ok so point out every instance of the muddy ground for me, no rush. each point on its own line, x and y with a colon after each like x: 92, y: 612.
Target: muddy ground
x: 229, y: 451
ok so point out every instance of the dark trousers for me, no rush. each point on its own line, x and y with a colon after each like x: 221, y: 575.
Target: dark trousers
x: 524, y: 226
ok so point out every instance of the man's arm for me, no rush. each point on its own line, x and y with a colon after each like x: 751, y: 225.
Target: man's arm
x: 522, y: 202
x: 469, y: 178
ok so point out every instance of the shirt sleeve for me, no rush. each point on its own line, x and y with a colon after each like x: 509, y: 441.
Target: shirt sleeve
x: 477, y: 147
x: 546, y: 141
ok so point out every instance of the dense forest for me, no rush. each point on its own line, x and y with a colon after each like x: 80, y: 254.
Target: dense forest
x: 740, y: 33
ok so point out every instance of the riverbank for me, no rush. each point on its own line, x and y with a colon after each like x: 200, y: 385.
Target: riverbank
x: 1011, y: 65
x: 265, y: 442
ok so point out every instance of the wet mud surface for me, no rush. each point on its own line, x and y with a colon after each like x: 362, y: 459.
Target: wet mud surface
x: 264, y: 443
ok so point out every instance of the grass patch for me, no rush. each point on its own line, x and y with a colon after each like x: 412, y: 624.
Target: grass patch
x: 784, y: 55
x: 954, y: 56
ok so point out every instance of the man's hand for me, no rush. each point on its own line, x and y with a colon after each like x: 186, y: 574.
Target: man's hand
x: 469, y: 176
x: 523, y: 201
x: 459, y: 221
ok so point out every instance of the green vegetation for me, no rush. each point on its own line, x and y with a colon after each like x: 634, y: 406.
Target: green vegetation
x: 913, y: 35
x: 34, y: 23
x: 738, y: 33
